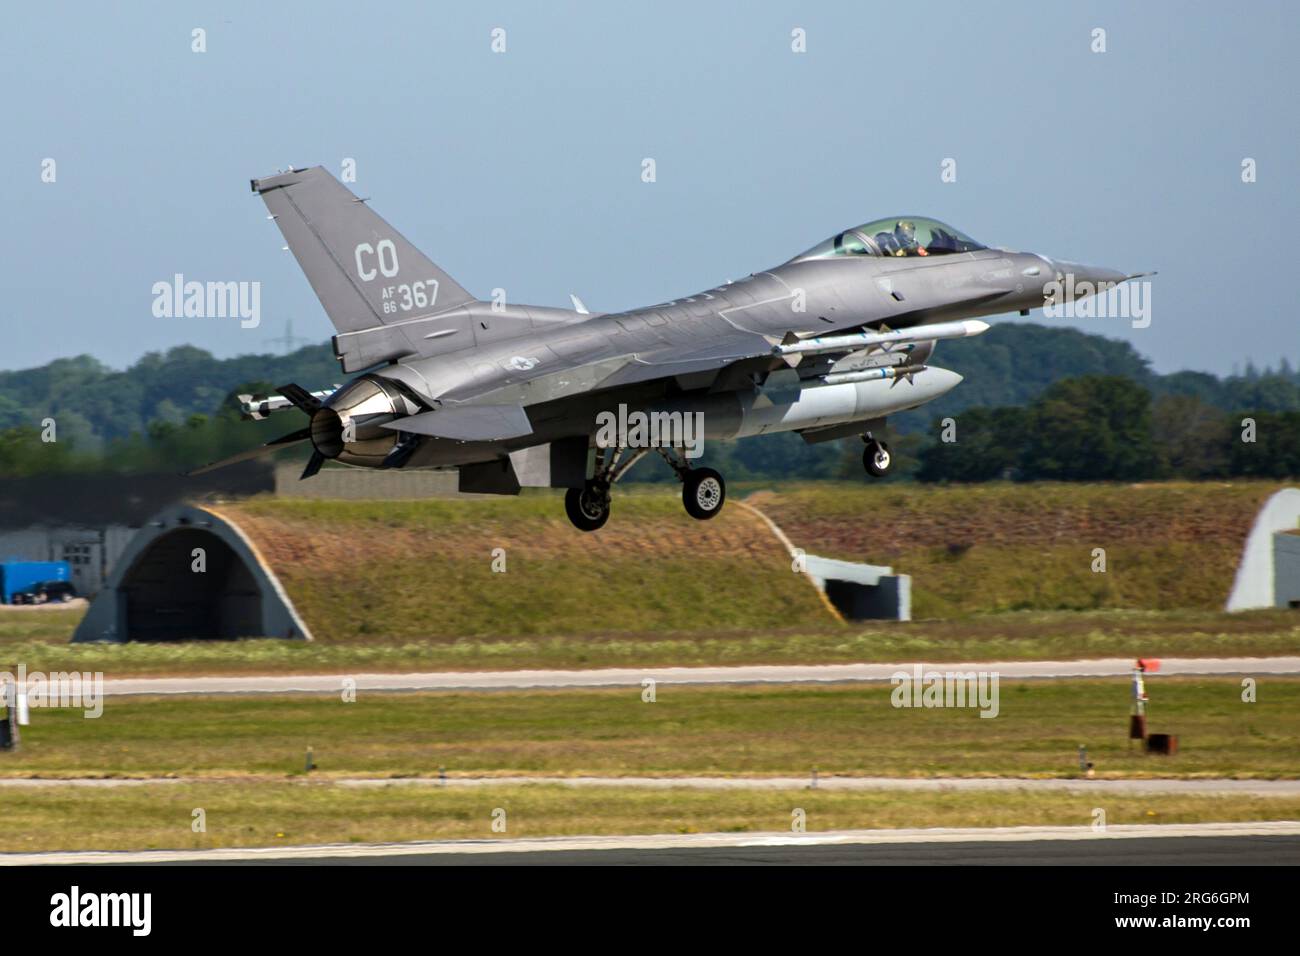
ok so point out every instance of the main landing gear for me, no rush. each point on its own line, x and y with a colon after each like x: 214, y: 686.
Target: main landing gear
x: 588, y: 506
x: 876, y: 458
x: 703, y: 490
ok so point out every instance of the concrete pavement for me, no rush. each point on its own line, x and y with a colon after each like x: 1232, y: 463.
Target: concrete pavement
x: 634, y: 676
x: 1217, y: 843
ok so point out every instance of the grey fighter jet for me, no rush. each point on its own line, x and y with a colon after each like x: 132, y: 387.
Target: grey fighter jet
x: 828, y: 344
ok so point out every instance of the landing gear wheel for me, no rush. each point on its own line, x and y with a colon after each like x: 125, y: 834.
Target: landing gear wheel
x: 703, y: 492
x: 876, y: 459
x: 588, y: 506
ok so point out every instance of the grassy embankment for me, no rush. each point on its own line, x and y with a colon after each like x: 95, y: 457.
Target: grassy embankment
x: 999, y: 572
x: 1004, y: 547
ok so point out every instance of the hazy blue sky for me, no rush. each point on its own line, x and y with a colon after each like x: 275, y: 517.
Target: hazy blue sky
x: 522, y: 170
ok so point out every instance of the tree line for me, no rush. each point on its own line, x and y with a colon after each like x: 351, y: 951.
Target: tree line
x: 1037, y: 402
x: 1109, y: 428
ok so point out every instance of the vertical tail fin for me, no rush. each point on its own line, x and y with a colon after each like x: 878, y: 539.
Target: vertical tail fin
x: 361, y: 268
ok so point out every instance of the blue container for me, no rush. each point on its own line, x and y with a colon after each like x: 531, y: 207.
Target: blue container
x: 18, y: 576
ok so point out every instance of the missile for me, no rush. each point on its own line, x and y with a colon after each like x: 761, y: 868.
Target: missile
x: 870, y: 374
x: 257, y: 407
x: 791, y: 345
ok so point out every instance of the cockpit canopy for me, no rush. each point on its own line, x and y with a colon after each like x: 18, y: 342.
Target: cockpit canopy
x: 900, y: 236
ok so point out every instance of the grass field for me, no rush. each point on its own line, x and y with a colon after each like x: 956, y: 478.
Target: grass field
x: 267, y: 814
x: 39, y: 639
x: 783, y: 730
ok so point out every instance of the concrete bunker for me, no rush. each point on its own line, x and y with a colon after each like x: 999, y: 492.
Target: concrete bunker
x: 1269, y: 572
x: 852, y: 589
x: 862, y: 592
x: 190, y: 574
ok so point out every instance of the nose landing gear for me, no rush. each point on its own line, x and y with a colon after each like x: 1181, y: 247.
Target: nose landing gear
x: 703, y: 490
x: 703, y: 493
x: 876, y: 458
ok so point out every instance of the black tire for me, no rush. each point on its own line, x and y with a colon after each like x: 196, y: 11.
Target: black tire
x: 587, y: 507
x: 876, y: 459
x: 703, y: 493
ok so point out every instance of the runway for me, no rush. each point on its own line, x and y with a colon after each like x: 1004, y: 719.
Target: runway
x: 634, y: 677
x: 1199, y: 787
x: 1144, y: 786
x: 1217, y: 844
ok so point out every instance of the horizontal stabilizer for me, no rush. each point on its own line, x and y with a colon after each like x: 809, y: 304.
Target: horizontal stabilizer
x: 468, y: 423
x: 284, y: 441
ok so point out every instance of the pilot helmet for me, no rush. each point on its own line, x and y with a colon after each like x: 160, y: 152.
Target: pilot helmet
x: 907, y: 229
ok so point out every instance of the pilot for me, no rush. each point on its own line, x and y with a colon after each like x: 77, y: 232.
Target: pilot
x: 905, y: 237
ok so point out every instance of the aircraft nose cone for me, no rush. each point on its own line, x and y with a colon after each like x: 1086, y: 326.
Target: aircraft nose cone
x: 1087, y: 273
x: 1075, y: 280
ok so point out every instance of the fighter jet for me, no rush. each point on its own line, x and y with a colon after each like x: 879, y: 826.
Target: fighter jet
x: 828, y: 344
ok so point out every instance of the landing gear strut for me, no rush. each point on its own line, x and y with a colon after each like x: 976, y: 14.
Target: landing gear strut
x: 703, y: 490
x: 588, y: 506
x: 876, y: 458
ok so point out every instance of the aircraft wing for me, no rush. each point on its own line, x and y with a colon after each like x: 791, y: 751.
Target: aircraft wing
x: 673, y: 361
x: 468, y: 423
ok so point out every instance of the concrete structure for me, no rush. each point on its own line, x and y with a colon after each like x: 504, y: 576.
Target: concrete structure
x: 853, y: 590
x: 89, y: 521
x: 862, y: 591
x: 364, y: 484
x: 1286, y: 569
x: 91, y: 552
x: 190, y: 574
x: 1268, y: 575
